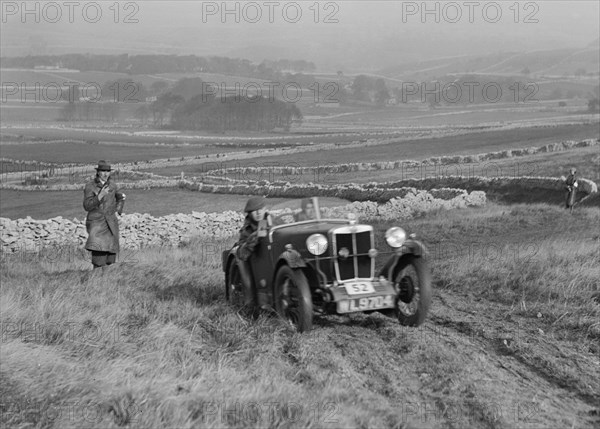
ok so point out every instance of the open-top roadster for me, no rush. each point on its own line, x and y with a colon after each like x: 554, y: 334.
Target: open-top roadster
x: 327, y: 266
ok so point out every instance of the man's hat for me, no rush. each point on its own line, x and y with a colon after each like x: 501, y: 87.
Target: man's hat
x: 254, y: 203
x: 103, y: 166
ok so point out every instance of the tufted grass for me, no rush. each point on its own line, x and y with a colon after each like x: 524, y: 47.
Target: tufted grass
x: 151, y: 343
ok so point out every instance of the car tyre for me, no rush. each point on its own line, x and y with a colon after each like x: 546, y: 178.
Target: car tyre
x: 414, y: 297
x: 293, y: 300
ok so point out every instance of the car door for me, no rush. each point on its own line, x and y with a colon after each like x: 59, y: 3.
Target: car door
x: 262, y: 270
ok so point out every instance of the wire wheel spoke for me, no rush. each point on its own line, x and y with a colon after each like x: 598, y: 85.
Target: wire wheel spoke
x: 293, y: 300
x: 289, y: 302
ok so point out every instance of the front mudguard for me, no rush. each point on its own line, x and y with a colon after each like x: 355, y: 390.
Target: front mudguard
x: 399, y: 260
x: 292, y: 258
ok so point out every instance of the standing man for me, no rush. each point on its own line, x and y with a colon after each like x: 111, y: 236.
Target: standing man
x: 572, y: 185
x: 102, y: 200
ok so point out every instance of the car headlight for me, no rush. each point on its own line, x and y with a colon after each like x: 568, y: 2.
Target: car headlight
x: 316, y: 244
x: 395, y: 236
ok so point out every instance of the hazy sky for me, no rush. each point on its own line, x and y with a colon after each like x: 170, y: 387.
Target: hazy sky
x: 340, y: 34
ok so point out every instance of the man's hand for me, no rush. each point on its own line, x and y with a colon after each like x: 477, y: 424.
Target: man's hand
x: 262, y: 228
x: 103, y: 193
x: 252, y: 239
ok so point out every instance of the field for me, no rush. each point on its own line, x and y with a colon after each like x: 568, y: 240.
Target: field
x: 36, y: 110
x: 511, y: 341
x: 472, y: 143
x: 454, y: 115
x: 47, y: 77
x: 130, y: 148
x: 156, y: 202
x: 160, y: 202
x: 413, y: 149
x: 550, y: 164
x: 79, y: 152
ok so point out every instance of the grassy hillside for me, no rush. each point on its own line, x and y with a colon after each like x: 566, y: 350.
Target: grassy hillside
x: 550, y: 164
x: 550, y: 62
x: 511, y: 341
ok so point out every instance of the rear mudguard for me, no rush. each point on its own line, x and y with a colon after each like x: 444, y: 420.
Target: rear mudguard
x: 226, y: 256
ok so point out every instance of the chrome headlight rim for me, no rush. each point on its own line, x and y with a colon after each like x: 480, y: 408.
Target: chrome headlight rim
x: 317, y: 244
x: 395, y: 237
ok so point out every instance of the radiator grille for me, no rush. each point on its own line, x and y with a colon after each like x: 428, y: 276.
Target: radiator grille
x: 358, y: 264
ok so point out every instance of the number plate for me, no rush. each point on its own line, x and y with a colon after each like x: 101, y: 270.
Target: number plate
x: 366, y: 303
x: 358, y: 288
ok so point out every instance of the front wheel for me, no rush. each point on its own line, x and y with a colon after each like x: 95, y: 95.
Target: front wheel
x: 414, y: 297
x: 293, y: 300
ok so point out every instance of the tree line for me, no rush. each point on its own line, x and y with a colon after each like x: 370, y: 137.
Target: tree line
x: 461, y: 90
x: 220, y: 114
x: 185, y: 106
x: 151, y: 64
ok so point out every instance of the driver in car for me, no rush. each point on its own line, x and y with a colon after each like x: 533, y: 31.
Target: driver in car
x: 253, y: 228
x: 308, y: 210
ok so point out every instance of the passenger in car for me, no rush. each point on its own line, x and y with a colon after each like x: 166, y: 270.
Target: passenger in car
x: 308, y: 210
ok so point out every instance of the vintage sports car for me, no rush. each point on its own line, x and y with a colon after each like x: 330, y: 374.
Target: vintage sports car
x: 327, y: 265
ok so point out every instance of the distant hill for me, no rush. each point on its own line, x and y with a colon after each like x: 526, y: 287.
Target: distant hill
x: 551, y: 63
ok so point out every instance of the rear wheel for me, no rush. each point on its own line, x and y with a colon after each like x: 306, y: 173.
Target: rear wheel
x: 235, y: 292
x: 293, y: 300
x: 414, y: 297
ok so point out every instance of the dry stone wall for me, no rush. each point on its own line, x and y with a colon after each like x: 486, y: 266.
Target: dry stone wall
x: 140, y: 230
x: 136, y: 230
x: 291, y: 170
x: 130, y: 178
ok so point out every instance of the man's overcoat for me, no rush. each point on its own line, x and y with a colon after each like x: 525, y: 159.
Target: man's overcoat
x: 101, y: 223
